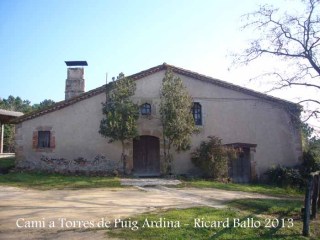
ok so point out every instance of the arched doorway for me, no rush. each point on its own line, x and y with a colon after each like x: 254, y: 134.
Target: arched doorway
x: 146, y: 156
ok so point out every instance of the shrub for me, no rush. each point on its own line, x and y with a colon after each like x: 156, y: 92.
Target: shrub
x: 311, y: 161
x: 6, y: 164
x: 212, y: 157
x: 285, y: 177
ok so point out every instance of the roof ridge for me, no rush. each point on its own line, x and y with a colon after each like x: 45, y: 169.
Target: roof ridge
x: 64, y: 103
x: 247, y: 90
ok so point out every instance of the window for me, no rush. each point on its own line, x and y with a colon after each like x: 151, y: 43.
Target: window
x: 196, y: 112
x: 43, y: 139
x: 145, y: 109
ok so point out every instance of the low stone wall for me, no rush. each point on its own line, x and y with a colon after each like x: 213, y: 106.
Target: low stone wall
x: 99, y: 165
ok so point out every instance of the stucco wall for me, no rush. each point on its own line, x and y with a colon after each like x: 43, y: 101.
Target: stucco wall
x: 228, y: 114
x: 76, y: 137
x: 234, y: 117
x: 237, y: 117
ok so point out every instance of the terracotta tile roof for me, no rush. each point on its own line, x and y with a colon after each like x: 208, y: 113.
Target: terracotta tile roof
x: 150, y: 71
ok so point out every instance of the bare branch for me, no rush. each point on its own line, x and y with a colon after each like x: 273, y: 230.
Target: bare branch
x: 279, y: 53
x: 315, y: 43
x: 308, y: 22
x: 312, y: 114
x: 309, y: 100
x: 294, y: 38
x: 303, y: 84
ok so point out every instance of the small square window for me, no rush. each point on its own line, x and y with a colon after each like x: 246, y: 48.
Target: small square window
x: 145, y: 109
x: 43, y: 139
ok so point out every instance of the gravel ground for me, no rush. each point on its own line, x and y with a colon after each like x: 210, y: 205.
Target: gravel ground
x: 27, y: 213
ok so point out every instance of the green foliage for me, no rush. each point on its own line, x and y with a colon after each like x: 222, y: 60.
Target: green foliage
x: 255, y: 188
x: 260, y: 210
x: 311, y: 151
x: 295, y: 177
x: 44, y: 104
x: 45, y: 181
x: 8, y: 138
x: 306, y: 133
x: 17, y: 104
x: 212, y: 157
x: 311, y: 161
x: 176, y: 117
x: 6, y: 164
x: 285, y: 177
x: 284, y: 207
x: 121, y: 114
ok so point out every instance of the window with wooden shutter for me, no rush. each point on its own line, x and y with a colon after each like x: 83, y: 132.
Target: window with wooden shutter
x: 43, y: 139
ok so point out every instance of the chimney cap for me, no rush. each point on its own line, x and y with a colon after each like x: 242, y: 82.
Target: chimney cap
x: 76, y: 63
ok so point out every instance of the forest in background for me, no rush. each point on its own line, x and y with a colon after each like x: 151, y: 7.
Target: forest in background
x: 17, y: 104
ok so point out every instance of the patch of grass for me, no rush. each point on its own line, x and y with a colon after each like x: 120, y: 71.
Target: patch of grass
x: 255, y: 188
x: 288, y: 208
x: 7, y: 162
x: 239, y: 211
x: 46, y: 181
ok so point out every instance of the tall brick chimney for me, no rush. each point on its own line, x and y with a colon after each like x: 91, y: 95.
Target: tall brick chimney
x: 75, y: 81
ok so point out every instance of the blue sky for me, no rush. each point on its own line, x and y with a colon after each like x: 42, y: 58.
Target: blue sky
x: 37, y: 36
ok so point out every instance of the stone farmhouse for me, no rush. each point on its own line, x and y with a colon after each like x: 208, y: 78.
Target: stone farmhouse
x: 64, y: 137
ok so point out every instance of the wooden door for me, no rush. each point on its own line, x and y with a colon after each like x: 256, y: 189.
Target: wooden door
x: 240, y: 168
x: 146, y: 156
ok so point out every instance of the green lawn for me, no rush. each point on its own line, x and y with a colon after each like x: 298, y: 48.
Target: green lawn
x: 265, y: 212
x: 46, y: 181
x: 255, y: 188
x: 58, y: 181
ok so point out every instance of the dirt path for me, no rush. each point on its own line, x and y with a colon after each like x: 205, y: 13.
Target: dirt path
x: 27, y: 213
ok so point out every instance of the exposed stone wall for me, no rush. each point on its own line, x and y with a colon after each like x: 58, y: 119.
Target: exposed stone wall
x: 99, y: 165
x: 75, y: 83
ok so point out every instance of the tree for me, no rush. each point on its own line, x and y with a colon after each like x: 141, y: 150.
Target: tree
x: 17, y: 104
x: 44, y: 104
x: 293, y: 38
x: 311, y: 151
x: 306, y: 135
x: 121, y: 114
x: 176, y: 117
x: 12, y: 104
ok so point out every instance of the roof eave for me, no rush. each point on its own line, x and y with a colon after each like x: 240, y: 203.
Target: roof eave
x: 292, y: 106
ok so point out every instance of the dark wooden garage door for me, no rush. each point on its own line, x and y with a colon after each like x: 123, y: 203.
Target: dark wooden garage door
x: 146, y: 156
